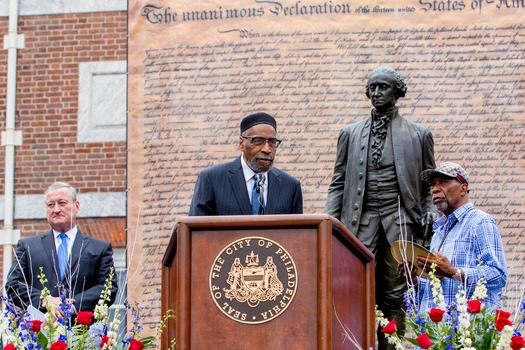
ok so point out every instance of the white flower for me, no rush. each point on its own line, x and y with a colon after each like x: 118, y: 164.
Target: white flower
x: 480, y: 292
x: 3, y: 325
x: 10, y: 338
x: 101, y: 312
x: 380, y: 317
x: 505, y: 338
x: 463, y: 319
x: 437, y: 291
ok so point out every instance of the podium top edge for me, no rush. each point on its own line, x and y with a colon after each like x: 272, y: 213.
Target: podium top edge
x: 203, y: 223
x: 259, y: 220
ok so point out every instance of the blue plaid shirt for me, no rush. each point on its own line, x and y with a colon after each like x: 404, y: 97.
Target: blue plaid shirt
x: 473, y: 236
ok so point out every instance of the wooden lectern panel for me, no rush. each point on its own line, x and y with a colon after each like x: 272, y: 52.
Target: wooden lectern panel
x: 287, y: 331
x: 332, y: 278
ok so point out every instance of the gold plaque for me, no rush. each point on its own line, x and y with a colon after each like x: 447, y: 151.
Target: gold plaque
x: 253, y: 280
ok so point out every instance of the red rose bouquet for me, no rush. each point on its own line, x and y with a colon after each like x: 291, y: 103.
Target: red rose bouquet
x: 84, y: 330
x: 466, y: 325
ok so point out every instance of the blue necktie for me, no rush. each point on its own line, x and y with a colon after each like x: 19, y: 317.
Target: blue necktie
x: 62, y: 255
x: 257, y: 195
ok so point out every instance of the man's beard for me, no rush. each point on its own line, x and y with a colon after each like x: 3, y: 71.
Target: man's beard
x: 256, y: 167
x: 442, y: 205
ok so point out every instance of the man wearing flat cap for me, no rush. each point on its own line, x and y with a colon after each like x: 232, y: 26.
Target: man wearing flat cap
x: 467, y: 243
x: 249, y: 185
x: 375, y: 190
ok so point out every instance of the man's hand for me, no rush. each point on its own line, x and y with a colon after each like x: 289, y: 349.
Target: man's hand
x: 53, y: 306
x: 443, y: 266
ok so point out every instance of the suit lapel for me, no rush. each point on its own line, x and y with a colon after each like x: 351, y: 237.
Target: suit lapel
x: 238, y: 187
x: 274, y: 184
x: 365, y: 137
x: 78, y: 246
x: 398, y: 138
x: 48, y: 242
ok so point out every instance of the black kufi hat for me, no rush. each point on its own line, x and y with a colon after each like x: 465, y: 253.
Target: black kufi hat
x: 256, y: 119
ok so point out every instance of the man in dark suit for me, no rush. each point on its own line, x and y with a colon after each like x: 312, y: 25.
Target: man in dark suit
x: 375, y: 189
x: 249, y: 184
x: 70, y: 259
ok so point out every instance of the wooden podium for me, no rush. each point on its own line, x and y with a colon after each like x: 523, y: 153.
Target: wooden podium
x: 267, y: 282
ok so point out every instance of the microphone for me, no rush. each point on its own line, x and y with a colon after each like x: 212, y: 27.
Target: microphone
x: 260, y: 182
x: 257, y: 198
x: 259, y: 188
x: 260, y: 179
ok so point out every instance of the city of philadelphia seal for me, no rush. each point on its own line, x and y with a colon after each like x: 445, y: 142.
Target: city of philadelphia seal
x: 253, y: 280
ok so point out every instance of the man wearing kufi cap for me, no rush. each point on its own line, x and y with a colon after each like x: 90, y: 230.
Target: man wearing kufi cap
x: 467, y: 243
x: 250, y: 184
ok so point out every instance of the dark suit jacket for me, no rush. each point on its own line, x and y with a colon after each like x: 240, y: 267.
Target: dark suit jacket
x: 90, y: 263
x: 413, y: 148
x: 221, y: 190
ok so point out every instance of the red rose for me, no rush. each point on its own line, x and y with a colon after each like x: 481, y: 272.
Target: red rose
x: 436, y: 315
x: 136, y: 345
x: 104, y: 340
x: 500, y: 324
x: 517, y: 342
x: 424, y: 341
x: 502, y: 320
x: 35, y: 325
x: 58, y: 345
x: 9, y: 347
x: 474, y: 306
x: 85, y: 317
x: 390, y: 328
x: 502, y: 314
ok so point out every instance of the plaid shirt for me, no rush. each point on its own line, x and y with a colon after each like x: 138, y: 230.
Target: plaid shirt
x: 473, y: 236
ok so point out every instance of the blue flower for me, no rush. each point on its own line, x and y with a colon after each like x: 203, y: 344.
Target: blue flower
x: 96, y: 331
x: 419, y: 321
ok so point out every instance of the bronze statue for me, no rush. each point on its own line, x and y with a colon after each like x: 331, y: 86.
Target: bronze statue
x: 375, y: 190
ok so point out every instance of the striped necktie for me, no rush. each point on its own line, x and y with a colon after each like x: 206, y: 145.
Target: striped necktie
x: 62, y: 255
x: 258, y: 206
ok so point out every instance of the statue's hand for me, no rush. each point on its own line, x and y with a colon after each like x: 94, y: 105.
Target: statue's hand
x: 428, y: 218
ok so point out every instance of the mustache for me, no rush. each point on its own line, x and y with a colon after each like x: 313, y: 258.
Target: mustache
x: 265, y: 157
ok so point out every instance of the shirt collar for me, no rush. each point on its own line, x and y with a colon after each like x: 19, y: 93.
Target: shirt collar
x: 247, y: 171
x: 458, y: 214
x: 391, y: 113
x: 71, y: 234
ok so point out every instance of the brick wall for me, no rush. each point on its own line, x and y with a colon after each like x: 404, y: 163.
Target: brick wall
x: 47, y: 102
x: 109, y: 229
x: 47, y: 109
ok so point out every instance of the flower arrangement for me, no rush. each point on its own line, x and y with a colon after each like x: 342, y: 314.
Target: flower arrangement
x: 87, y: 331
x: 466, y: 324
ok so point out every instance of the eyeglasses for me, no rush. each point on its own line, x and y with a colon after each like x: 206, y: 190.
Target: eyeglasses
x: 260, y: 141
